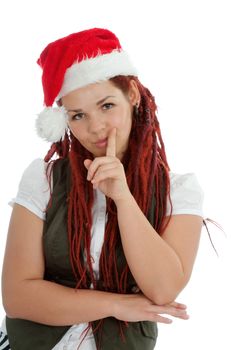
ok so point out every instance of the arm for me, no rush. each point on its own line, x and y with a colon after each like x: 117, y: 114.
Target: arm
x: 26, y: 295
x: 161, y: 266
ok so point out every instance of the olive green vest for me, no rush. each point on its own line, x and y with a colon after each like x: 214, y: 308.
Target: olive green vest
x: 28, y: 335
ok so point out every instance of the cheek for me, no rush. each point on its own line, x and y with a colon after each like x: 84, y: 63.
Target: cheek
x: 77, y: 131
x: 124, y: 125
x: 122, y: 119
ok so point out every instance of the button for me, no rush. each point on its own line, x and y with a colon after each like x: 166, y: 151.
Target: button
x: 135, y: 289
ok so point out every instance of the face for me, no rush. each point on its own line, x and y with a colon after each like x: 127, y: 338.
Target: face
x: 97, y: 108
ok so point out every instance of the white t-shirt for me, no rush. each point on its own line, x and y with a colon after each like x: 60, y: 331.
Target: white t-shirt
x: 33, y: 193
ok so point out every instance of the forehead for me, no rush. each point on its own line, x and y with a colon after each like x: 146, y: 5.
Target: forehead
x: 91, y: 94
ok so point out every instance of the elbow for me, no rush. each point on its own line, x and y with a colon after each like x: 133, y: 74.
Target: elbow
x: 164, y: 299
x: 9, y: 309
x: 10, y: 305
x: 167, y: 295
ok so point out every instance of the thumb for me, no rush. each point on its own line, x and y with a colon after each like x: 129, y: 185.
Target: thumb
x: 87, y: 163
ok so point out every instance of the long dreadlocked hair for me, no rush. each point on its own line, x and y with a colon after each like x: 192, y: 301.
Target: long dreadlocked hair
x: 147, y: 173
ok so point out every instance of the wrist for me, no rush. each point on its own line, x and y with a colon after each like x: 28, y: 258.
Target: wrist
x: 126, y: 199
x: 113, y: 304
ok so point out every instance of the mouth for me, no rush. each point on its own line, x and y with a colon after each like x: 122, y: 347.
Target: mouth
x: 101, y: 143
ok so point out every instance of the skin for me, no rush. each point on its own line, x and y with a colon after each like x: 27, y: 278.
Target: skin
x: 94, y: 121
x: 26, y: 295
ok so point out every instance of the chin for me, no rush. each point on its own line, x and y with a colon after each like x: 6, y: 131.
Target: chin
x: 100, y: 153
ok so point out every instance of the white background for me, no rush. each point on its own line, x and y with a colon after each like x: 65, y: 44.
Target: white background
x: 183, y: 51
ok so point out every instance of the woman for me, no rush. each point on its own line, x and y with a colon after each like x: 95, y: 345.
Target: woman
x: 102, y: 237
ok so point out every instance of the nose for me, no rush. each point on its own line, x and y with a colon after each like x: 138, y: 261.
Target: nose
x: 96, y: 124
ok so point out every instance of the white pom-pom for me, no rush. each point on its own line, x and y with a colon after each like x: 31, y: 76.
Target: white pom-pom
x: 51, y: 124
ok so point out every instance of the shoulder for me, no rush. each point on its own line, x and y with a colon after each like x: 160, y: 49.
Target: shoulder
x: 36, y: 169
x: 34, y: 176
x: 186, y: 194
x: 33, y: 190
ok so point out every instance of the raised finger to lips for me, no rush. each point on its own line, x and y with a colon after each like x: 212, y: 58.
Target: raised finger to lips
x: 111, y: 146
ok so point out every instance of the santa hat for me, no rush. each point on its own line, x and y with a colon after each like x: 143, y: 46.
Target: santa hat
x: 72, y: 62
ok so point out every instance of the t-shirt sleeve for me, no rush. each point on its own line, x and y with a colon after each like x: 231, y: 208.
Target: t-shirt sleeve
x: 186, y: 195
x: 33, y: 191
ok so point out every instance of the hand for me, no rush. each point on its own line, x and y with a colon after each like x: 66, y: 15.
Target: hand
x: 107, y: 173
x: 136, y: 307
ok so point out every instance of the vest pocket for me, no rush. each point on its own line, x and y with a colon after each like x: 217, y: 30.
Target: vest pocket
x: 149, y: 329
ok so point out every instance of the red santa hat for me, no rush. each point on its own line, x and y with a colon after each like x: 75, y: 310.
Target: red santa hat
x: 72, y: 62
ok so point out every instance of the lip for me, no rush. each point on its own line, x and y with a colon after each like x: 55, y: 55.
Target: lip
x: 101, y: 143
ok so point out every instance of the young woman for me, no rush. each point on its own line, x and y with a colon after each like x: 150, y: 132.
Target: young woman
x: 103, y: 236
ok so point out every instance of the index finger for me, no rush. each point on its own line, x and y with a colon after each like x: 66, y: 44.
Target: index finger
x: 178, y: 305
x: 111, y: 146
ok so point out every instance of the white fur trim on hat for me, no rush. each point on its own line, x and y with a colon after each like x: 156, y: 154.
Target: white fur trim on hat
x: 93, y: 70
x: 51, y: 124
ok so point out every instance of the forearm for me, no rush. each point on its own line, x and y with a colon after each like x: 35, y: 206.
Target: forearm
x: 154, y: 264
x: 50, y: 303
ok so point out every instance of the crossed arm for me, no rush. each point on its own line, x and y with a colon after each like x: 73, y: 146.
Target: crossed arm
x: 161, y: 266
x: 28, y: 296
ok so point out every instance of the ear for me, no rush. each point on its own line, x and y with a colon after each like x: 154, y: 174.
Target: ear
x: 134, y: 94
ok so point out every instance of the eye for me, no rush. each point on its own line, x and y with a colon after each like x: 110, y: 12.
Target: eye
x: 107, y: 106
x: 77, y: 116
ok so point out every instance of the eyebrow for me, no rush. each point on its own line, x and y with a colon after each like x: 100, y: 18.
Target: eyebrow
x: 97, y: 103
